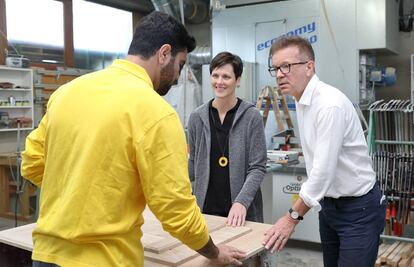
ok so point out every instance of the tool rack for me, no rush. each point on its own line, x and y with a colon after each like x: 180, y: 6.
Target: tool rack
x: 391, y: 145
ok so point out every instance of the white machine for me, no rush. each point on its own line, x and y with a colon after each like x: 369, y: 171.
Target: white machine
x: 282, y: 157
x: 338, y: 31
x: 280, y: 190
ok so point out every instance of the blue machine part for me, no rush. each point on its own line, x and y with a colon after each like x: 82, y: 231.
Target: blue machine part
x: 384, y: 76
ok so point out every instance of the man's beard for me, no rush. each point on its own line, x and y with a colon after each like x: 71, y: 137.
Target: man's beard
x: 166, y: 79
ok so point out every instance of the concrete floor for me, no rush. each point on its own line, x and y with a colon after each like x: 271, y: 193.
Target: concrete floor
x: 5, y: 224
x: 10, y: 223
x: 300, y: 254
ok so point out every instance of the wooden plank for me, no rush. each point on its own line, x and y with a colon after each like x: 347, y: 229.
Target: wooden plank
x: 406, y: 262
x: 403, y: 263
x: 157, y: 243
x: 8, y: 188
x: 395, y: 257
x: 405, y: 252
x: 228, y: 234
x: 395, y: 260
x: 4, y: 188
x: 389, y: 251
x: 56, y: 80
x: 214, y: 223
x: 68, y: 33
x: 285, y: 108
x: 182, y: 253
x: 20, y: 237
x: 251, y: 243
x: 156, y: 240
x: 3, y: 29
x: 382, y: 248
x: 29, y: 191
x: 276, y: 110
x: 266, y: 110
x: 378, y: 263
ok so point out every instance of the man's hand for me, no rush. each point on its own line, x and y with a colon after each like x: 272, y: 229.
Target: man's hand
x: 237, y: 215
x: 276, y: 237
x: 229, y: 255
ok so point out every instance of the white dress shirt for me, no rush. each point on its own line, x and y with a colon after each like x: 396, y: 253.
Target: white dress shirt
x: 334, y: 146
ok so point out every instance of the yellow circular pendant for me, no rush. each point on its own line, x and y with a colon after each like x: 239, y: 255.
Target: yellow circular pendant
x: 223, y: 161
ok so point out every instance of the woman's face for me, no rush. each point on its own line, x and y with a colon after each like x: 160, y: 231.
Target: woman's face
x: 224, y: 82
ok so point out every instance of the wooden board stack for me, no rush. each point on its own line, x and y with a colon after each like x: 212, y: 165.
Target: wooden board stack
x: 397, y: 254
x: 156, y: 240
x: 160, y: 247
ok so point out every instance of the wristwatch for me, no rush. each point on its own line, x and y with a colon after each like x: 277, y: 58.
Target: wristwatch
x: 295, y: 215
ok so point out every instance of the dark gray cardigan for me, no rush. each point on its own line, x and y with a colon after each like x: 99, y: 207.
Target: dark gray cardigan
x: 247, y: 157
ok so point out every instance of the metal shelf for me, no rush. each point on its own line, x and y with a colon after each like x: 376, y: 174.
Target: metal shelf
x: 23, y: 96
x: 387, y: 142
x: 15, y: 129
x: 372, y: 146
x: 15, y: 90
x: 396, y: 197
x: 412, y: 78
x: 398, y: 238
x: 1, y: 107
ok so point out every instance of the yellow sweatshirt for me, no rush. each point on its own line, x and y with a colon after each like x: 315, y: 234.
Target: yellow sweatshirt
x: 107, y: 146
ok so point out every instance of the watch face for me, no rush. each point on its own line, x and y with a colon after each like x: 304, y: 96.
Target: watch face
x: 294, y: 214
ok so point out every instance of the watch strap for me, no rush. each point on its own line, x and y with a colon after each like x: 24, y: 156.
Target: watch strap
x: 299, y: 218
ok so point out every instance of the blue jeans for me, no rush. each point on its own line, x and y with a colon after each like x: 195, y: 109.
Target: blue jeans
x: 43, y: 264
x: 350, y: 228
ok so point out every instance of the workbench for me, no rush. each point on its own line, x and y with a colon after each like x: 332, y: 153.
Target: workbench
x: 247, y: 240
x: 8, y: 188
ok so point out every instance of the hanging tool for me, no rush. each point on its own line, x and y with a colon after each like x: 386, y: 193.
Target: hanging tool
x: 393, y: 160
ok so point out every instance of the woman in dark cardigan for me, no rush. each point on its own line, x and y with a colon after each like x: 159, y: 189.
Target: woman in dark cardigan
x: 227, y: 148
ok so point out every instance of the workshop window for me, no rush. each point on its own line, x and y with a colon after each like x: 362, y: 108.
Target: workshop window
x: 101, y: 34
x: 35, y: 30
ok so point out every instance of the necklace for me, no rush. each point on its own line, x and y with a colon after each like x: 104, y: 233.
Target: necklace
x: 223, y: 161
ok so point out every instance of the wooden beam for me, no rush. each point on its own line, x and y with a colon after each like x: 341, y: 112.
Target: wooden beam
x: 3, y: 32
x: 68, y: 33
x: 44, y: 65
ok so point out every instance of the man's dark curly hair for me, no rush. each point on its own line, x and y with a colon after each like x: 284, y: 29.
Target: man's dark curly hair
x: 157, y: 29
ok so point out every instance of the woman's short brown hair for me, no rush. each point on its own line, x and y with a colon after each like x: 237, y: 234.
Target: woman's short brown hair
x: 224, y: 58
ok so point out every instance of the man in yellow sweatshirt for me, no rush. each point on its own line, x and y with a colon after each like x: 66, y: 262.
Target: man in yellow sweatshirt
x: 107, y: 146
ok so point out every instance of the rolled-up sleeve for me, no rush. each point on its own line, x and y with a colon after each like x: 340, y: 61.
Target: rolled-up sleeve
x: 330, y: 127
x: 33, y: 157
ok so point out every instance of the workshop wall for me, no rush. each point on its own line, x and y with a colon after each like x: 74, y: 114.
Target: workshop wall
x: 401, y: 90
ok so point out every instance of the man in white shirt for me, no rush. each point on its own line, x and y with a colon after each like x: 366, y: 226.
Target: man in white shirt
x: 341, y: 183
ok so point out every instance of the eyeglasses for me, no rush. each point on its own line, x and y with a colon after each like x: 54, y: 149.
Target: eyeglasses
x: 285, y: 68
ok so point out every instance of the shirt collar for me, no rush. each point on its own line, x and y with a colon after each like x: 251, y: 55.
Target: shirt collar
x: 133, y: 69
x: 306, y: 97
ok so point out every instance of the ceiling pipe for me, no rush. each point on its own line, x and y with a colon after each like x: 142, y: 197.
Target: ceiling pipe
x: 195, y: 11
x: 200, y: 55
x: 166, y: 6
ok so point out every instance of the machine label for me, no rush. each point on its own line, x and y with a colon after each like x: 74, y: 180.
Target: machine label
x: 308, y: 28
x: 292, y: 188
